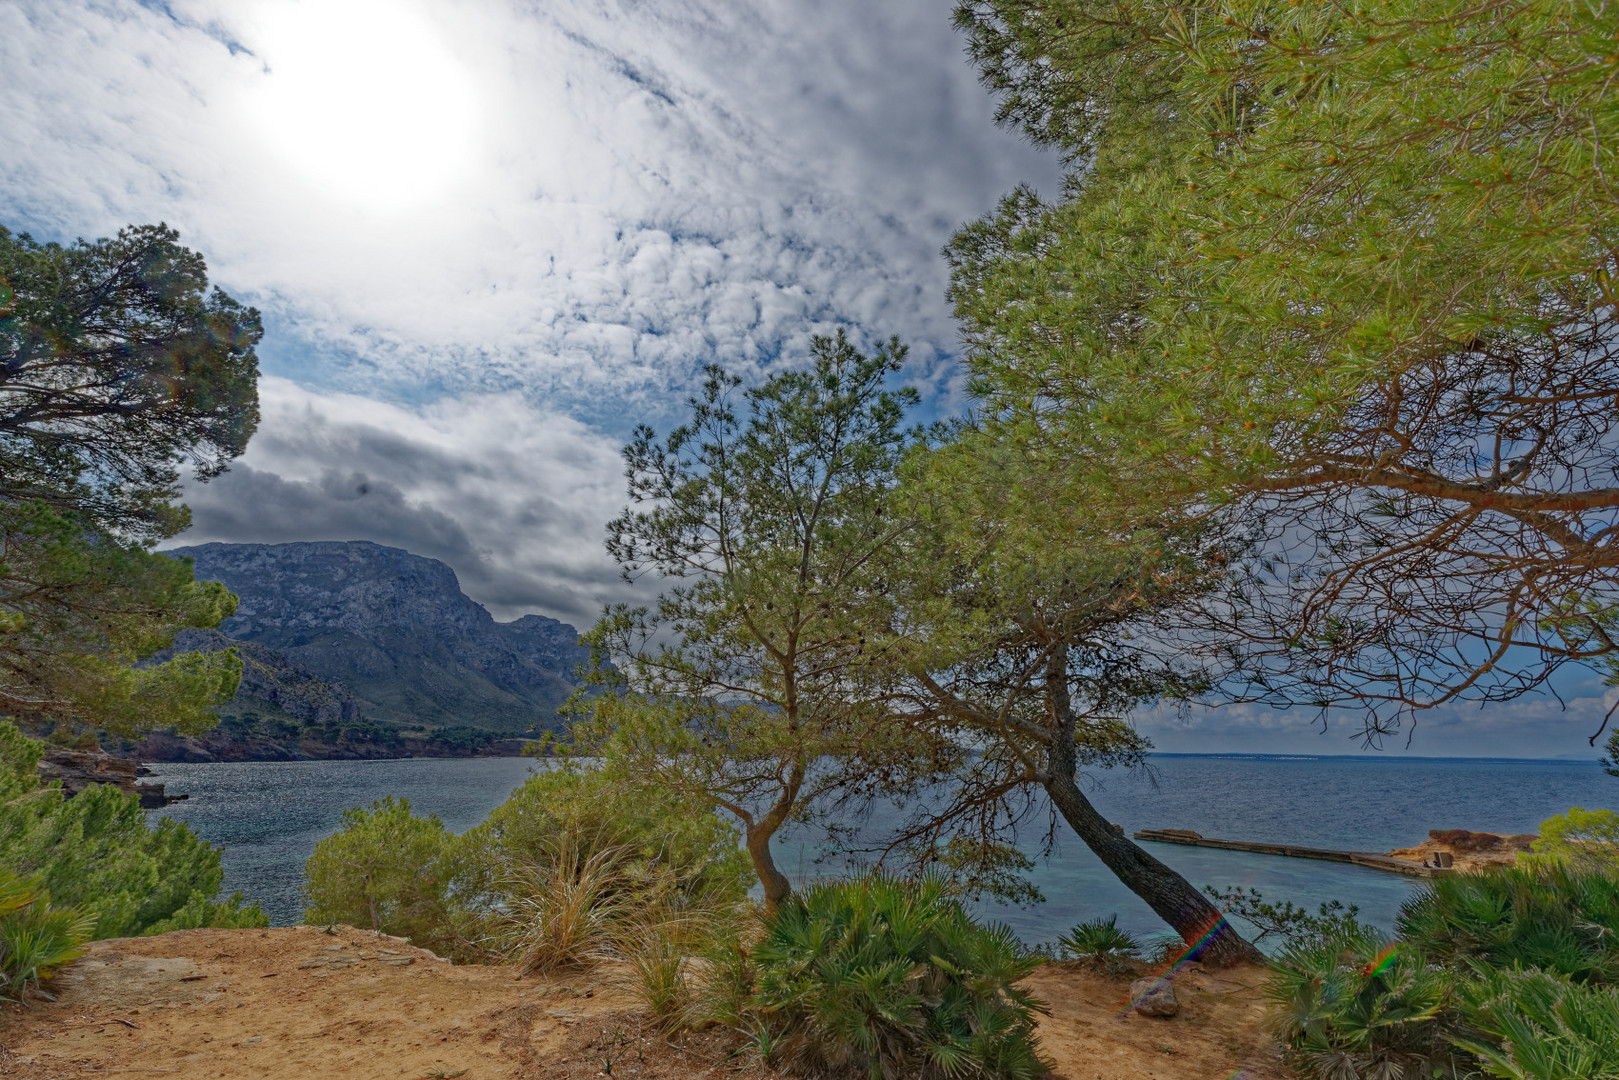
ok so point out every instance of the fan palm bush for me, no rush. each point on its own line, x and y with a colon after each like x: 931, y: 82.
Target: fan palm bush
x: 36, y: 937
x: 1102, y: 944
x: 1550, y: 916
x: 1532, y: 1025
x: 883, y: 977
x: 1362, y: 1008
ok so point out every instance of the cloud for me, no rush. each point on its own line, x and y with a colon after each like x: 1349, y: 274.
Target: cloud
x: 512, y: 497
x: 636, y: 188
x: 1530, y: 727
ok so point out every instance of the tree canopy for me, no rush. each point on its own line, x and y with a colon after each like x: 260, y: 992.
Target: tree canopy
x: 117, y: 365
x: 1020, y: 669
x: 748, y: 686
x: 117, y: 368
x: 1337, y: 277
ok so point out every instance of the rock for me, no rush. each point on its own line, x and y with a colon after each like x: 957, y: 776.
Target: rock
x: 355, y: 625
x: 1154, y: 997
x: 78, y: 769
x: 1470, y: 850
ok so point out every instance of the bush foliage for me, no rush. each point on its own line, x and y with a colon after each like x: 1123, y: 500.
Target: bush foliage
x: 1512, y: 973
x: 36, y: 937
x: 548, y: 879
x: 882, y: 977
x: 1584, y: 839
x: 96, y: 852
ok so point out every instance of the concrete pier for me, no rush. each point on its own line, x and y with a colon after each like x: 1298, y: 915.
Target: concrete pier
x: 1358, y: 858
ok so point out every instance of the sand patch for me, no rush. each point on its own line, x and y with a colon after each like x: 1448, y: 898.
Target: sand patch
x: 299, y: 1002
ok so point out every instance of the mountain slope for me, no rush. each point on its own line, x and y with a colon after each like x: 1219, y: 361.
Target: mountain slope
x: 397, y: 631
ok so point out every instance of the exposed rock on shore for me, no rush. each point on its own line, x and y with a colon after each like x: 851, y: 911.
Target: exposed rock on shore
x: 78, y: 769
x: 1469, y: 850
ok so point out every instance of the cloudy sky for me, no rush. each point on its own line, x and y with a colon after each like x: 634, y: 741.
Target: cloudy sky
x: 489, y: 236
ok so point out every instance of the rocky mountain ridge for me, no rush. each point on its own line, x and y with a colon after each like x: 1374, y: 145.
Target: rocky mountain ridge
x: 345, y: 630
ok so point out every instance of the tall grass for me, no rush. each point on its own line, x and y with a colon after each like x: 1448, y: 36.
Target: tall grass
x: 657, y: 944
x: 564, y: 911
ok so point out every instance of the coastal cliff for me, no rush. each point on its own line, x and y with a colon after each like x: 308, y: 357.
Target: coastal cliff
x: 348, y: 631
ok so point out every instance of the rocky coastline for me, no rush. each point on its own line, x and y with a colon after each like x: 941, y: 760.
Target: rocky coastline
x: 314, y: 745
x: 78, y: 769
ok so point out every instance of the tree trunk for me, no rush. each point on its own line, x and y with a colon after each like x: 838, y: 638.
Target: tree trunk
x: 1209, y: 937
x: 1200, y: 924
x: 777, y: 887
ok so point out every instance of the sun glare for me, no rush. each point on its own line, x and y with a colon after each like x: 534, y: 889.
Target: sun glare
x: 362, y: 99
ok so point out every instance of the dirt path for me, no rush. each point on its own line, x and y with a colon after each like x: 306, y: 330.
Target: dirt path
x: 299, y: 1002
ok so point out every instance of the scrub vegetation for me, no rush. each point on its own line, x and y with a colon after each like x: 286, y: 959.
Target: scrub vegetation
x: 1298, y: 392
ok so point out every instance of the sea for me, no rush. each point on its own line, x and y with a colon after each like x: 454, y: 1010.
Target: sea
x: 268, y: 816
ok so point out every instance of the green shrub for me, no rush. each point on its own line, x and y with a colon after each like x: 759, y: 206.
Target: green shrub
x: 1102, y: 944
x: 1361, y: 1007
x: 1549, y: 916
x: 1286, y: 920
x: 36, y: 937
x: 1530, y: 1025
x: 385, y: 869
x: 1582, y: 839
x: 96, y: 851
x: 547, y: 880
x: 891, y: 978
x: 661, y: 837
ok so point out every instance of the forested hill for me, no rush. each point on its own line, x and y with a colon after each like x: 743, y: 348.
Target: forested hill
x: 397, y: 631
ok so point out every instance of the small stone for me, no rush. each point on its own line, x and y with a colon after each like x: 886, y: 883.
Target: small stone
x: 1154, y: 997
x: 254, y: 1041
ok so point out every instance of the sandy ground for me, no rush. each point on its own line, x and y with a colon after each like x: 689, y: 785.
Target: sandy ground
x: 301, y: 1002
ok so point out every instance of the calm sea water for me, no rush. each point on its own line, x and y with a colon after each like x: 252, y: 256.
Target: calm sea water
x: 268, y: 817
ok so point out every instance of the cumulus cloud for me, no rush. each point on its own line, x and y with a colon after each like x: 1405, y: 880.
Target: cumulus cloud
x: 511, y: 496
x: 632, y: 189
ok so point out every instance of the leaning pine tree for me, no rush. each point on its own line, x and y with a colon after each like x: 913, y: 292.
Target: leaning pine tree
x: 1027, y: 664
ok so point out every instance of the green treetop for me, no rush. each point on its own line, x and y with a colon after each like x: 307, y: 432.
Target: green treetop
x: 749, y: 685
x: 1338, y: 278
x: 117, y: 368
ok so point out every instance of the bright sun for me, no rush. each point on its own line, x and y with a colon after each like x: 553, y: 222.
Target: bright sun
x: 362, y: 99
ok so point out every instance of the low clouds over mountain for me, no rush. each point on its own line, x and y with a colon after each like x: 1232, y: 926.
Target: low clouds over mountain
x: 512, y: 497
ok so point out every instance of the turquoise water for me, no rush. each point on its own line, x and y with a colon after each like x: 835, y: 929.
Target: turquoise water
x: 269, y: 815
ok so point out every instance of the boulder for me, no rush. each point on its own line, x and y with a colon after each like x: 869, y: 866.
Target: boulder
x: 1154, y: 997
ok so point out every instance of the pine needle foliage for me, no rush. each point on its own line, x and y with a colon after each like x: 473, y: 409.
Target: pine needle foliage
x: 887, y: 978
x: 96, y: 852
x: 1337, y: 276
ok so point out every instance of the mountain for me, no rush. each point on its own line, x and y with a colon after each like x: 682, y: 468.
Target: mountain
x: 394, y: 630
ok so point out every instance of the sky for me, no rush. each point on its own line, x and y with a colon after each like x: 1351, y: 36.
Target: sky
x: 488, y: 237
